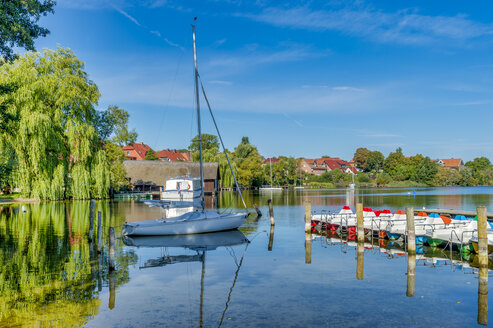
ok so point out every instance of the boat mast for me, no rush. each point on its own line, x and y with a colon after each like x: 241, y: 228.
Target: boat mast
x: 270, y: 161
x: 198, y: 118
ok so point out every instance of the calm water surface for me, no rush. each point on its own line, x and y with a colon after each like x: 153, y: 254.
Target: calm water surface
x: 52, y: 276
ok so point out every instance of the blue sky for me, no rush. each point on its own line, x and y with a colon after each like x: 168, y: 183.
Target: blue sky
x: 304, y: 78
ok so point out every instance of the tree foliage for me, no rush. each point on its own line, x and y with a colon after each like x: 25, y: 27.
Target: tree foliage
x: 209, y: 141
x: 361, y: 157
x: 151, y: 155
x: 18, y: 24
x: 54, y: 135
x: 374, y: 161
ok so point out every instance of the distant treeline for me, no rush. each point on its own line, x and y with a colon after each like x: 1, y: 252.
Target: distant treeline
x: 418, y: 170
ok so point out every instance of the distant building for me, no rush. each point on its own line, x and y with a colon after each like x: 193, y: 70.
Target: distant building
x: 271, y: 160
x: 152, y: 175
x: 169, y: 155
x: 136, y: 151
x: 321, y: 165
x: 452, y: 163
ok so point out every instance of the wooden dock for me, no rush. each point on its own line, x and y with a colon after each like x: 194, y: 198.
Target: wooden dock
x: 450, y: 212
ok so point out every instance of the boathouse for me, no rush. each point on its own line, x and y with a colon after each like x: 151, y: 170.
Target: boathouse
x: 152, y: 175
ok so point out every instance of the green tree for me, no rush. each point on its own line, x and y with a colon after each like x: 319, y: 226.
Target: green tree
x: 467, y: 177
x: 151, y: 155
x: 479, y: 167
x: 361, y: 157
x: 112, y: 129
x: 479, y: 163
x: 249, y: 164
x: 54, y: 136
x: 393, y: 161
x: 209, y: 141
x: 374, y: 161
x: 18, y: 24
x: 426, y: 171
x: 446, y: 177
x: 113, y: 122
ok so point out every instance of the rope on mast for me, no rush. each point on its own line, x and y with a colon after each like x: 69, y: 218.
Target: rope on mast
x: 222, y: 143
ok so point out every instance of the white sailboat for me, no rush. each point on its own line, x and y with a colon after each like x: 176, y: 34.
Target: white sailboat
x: 270, y: 188
x: 352, y: 185
x: 200, y: 220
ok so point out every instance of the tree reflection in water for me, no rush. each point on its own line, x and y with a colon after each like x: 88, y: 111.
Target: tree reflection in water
x: 49, y: 272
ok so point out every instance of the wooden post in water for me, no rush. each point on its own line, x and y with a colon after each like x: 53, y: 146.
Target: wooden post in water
x: 111, y: 278
x: 482, y: 236
x: 91, y: 219
x: 111, y: 263
x: 411, y: 235
x: 411, y: 274
x: 259, y: 214
x: 483, y: 267
x: 99, y: 232
x: 308, y: 248
x: 271, y: 238
x: 359, y: 223
x: 271, y: 212
x: 483, y: 295
x: 360, y: 260
x: 308, y: 216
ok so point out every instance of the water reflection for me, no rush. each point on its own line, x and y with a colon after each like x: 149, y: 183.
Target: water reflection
x: 483, y: 295
x: 201, y: 244
x: 49, y: 271
x: 411, y: 274
x: 271, y: 238
x: 360, y: 261
x: 51, y: 275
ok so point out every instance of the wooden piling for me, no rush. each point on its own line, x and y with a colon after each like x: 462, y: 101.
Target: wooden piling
x: 271, y: 238
x: 483, y: 296
x: 259, y: 214
x: 111, y: 302
x: 411, y: 235
x: 482, y: 236
x: 99, y: 232
x: 483, y: 266
x: 411, y: 274
x: 308, y: 248
x: 271, y: 212
x: 308, y: 216
x: 359, y: 223
x: 360, y: 261
x: 91, y: 220
x: 111, y: 262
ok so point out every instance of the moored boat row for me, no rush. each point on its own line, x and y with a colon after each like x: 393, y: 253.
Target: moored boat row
x: 430, y: 229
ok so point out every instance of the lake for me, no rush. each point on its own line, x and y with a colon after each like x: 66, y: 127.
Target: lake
x: 51, y: 275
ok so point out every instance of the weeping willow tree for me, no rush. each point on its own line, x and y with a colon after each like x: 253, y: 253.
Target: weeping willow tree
x: 49, y: 273
x: 53, y: 132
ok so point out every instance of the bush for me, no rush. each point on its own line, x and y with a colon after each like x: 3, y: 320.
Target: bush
x: 383, y: 179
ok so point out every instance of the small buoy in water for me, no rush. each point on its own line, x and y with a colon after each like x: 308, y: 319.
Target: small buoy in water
x: 23, y: 209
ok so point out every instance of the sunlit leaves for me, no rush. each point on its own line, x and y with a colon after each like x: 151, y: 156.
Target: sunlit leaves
x: 54, y: 135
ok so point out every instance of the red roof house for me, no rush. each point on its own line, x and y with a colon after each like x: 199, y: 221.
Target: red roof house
x: 136, y: 151
x: 173, y: 156
x: 271, y: 160
x: 321, y: 165
x: 453, y: 163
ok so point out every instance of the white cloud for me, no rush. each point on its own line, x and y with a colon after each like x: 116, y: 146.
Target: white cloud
x: 399, y: 27
x: 346, y: 88
x: 220, y: 82
x: 124, y: 13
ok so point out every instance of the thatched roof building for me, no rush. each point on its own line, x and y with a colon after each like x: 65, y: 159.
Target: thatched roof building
x: 152, y: 175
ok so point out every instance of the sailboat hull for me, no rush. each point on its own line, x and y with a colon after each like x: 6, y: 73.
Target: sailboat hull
x: 189, y: 223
